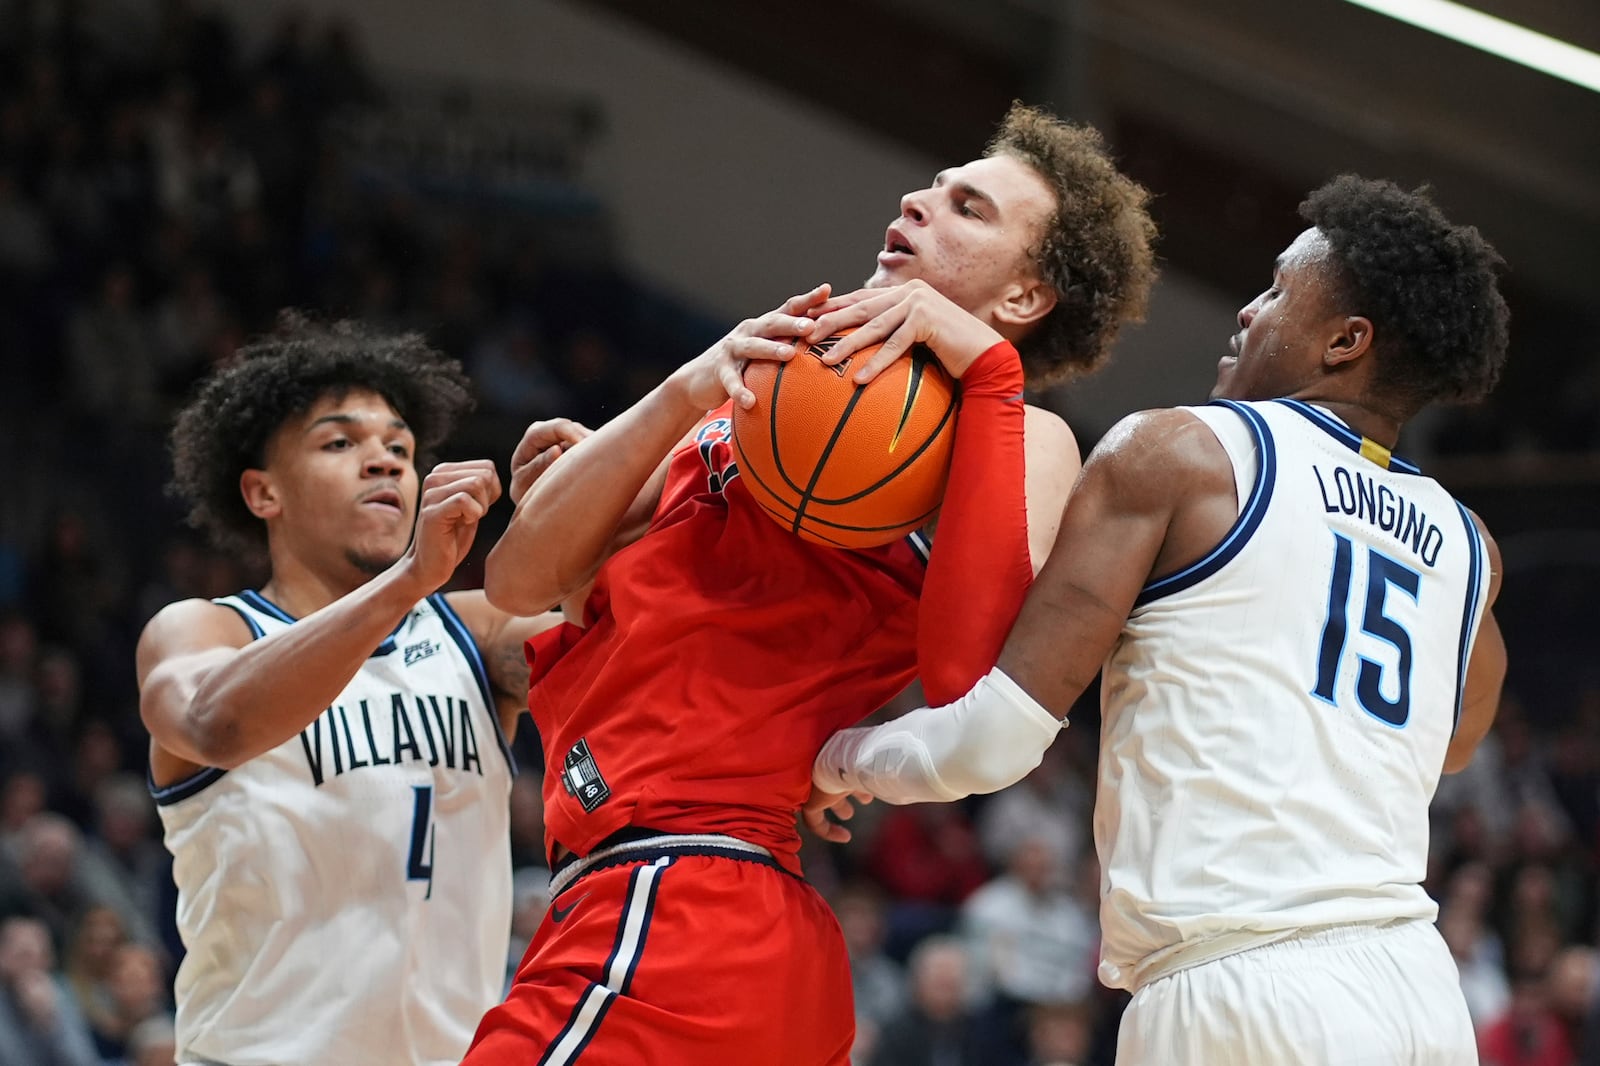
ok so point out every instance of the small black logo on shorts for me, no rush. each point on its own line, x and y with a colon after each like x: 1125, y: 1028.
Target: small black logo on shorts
x: 559, y: 914
x: 581, y: 777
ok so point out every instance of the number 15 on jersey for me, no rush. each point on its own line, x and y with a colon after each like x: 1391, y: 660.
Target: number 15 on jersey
x: 1383, y: 691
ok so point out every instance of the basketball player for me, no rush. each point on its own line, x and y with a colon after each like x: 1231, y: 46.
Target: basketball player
x: 717, y: 650
x: 329, y: 753
x: 1296, y: 637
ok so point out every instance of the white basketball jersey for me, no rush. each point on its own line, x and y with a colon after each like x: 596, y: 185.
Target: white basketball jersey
x: 345, y: 898
x: 1275, y: 717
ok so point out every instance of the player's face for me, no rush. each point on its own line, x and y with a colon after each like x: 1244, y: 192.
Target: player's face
x: 969, y: 234
x: 344, y: 482
x: 1282, y: 333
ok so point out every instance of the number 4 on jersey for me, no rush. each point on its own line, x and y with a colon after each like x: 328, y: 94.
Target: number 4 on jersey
x: 1382, y: 572
x: 421, y: 838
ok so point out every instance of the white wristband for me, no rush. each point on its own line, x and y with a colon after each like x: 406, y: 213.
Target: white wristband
x: 988, y: 739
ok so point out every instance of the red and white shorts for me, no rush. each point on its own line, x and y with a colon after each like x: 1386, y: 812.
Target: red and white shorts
x: 677, y: 950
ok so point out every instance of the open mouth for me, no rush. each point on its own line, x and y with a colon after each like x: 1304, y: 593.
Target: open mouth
x: 386, y: 499
x: 895, y: 244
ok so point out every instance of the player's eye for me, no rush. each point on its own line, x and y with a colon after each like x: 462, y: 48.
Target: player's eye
x: 400, y: 450
x: 337, y: 444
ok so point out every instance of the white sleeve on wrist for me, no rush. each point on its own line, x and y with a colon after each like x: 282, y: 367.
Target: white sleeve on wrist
x: 988, y: 739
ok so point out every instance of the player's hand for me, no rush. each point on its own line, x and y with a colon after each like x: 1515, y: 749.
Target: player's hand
x: 901, y: 316
x: 455, y: 497
x: 542, y: 443
x: 717, y: 373
x: 819, y: 804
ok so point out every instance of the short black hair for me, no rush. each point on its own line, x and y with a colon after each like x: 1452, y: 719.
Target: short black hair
x: 225, y: 428
x: 1430, y: 288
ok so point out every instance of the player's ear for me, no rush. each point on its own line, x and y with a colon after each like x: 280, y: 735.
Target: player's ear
x: 1351, y: 340
x: 260, y: 494
x: 1026, y: 304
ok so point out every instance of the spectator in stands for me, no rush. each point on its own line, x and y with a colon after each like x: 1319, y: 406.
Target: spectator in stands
x: 879, y: 982
x: 89, y: 961
x: 926, y: 857
x: 40, y: 1024
x: 137, y: 993
x: 939, y: 1025
x: 1053, y: 800
x: 1032, y: 939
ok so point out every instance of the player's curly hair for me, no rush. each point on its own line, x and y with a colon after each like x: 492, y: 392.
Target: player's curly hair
x: 225, y: 428
x: 1430, y: 288
x: 1097, y: 250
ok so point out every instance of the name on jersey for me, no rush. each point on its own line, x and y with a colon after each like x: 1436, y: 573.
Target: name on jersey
x: 1347, y: 491
x: 411, y: 728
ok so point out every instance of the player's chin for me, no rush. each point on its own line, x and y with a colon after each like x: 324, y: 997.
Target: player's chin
x: 374, y: 559
x: 883, y: 277
x: 1220, y: 391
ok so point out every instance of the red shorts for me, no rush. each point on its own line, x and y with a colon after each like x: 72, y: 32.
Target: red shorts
x: 678, y: 959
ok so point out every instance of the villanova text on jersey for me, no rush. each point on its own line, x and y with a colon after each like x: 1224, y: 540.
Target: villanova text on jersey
x: 1347, y: 491
x: 413, y: 727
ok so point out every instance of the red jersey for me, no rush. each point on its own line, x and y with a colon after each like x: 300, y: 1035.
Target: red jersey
x: 717, y: 653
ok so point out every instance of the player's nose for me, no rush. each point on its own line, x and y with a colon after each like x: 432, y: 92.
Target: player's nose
x: 913, y: 205
x: 382, y: 462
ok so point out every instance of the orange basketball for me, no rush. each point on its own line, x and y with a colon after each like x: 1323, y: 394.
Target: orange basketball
x: 847, y: 465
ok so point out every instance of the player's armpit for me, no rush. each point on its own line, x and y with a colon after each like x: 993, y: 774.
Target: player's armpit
x: 502, y: 638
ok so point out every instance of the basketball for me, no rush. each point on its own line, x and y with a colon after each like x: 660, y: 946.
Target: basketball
x: 841, y: 464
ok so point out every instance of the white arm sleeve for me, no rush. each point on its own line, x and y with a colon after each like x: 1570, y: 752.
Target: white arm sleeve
x: 988, y: 739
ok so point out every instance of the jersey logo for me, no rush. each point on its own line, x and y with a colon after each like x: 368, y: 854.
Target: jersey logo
x: 559, y: 914
x: 713, y: 441
x: 419, y: 651
x: 580, y: 776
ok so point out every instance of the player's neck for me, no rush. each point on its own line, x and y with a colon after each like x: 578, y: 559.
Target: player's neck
x: 1374, y: 425
x: 301, y: 589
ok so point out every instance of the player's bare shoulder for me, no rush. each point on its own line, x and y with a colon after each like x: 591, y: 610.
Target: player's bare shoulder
x: 1162, y: 450
x: 188, y: 627
x: 1048, y: 432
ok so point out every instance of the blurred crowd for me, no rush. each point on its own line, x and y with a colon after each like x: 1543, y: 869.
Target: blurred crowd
x: 164, y: 190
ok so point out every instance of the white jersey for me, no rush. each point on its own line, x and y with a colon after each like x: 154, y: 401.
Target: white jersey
x: 345, y: 898
x: 1275, y: 717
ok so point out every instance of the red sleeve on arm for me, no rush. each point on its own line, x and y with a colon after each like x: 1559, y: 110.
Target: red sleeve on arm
x: 980, y: 570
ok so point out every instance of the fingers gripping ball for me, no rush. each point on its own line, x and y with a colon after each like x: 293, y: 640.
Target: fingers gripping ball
x: 846, y: 465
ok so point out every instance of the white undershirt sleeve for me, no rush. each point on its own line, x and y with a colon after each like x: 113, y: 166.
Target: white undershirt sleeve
x: 988, y: 739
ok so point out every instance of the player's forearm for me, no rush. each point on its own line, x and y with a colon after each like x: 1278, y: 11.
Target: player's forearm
x: 256, y: 698
x: 565, y: 525
x: 980, y: 743
x: 980, y: 569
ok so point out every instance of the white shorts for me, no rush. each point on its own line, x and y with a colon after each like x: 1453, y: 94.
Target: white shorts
x: 1353, y: 995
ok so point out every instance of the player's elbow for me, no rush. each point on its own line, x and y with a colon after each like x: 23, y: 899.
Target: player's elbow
x: 517, y: 587
x: 199, y: 729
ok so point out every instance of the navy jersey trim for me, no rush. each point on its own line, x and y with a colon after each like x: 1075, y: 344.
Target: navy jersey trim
x: 1475, y: 566
x: 256, y: 632
x: 1343, y: 433
x: 1244, y: 526
x: 183, y: 788
x: 267, y: 607
x: 469, y: 647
